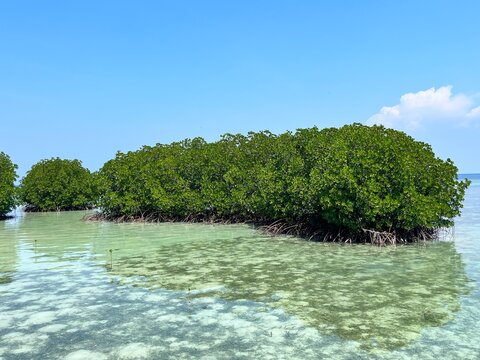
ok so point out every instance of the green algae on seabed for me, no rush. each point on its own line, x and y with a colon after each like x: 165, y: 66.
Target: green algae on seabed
x: 5, y: 279
x: 8, y: 260
x: 380, y: 297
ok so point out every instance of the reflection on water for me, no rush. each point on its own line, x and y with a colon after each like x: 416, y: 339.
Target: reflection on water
x: 70, y: 289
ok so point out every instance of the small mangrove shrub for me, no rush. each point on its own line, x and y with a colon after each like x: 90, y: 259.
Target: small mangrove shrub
x: 57, y: 184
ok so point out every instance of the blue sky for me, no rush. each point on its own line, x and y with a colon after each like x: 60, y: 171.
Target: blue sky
x: 85, y: 79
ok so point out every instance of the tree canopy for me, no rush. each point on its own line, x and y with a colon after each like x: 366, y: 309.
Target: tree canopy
x: 57, y: 184
x: 345, y: 181
x: 8, y: 176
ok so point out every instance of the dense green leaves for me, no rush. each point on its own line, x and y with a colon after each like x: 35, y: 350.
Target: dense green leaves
x: 56, y: 184
x: 353, y: 178
x: 7, y: 188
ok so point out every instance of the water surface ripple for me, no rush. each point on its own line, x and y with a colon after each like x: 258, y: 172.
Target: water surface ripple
x: 76, y: 290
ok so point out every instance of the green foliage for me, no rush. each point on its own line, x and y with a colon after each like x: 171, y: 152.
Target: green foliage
x: 353, y: 178
x: 7, y: 188
x: 382, y: 179
x: 57, y: 184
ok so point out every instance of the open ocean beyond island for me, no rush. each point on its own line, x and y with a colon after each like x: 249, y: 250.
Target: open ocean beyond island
x: 71, y: 289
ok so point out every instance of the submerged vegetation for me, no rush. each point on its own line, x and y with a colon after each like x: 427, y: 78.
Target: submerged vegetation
x: 58, y: 184
x: 355, y: 183
x: 8, y: 176
x: 382, y: 298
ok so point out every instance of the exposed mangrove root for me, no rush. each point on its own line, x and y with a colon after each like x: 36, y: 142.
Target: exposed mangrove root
x: 158, y: 218
x: 32, y: 208
x: 381, y: 237
x: 396, y: 237
x: 325, y: 233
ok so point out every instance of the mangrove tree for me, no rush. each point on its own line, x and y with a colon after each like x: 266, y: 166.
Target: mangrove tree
x: 355, y: 183
x: 57, y: 184
x: 8, y: 176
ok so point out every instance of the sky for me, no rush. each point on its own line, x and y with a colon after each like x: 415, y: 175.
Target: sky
x: 86, y: 79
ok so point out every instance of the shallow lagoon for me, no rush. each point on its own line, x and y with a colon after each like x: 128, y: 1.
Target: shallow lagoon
x: 229, y: 292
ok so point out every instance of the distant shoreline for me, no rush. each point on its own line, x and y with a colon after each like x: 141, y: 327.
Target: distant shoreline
x: 469, y: 176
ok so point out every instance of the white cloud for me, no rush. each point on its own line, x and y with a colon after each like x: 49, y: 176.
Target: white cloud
x: 474, y: 113
x: 431, y: 106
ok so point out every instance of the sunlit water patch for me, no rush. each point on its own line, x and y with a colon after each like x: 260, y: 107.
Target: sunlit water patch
x: 76, y: 290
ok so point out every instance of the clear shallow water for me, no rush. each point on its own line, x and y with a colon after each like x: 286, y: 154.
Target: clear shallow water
x: 229, y: 292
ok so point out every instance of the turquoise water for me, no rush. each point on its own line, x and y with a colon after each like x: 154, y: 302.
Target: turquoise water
x: 71, y: 289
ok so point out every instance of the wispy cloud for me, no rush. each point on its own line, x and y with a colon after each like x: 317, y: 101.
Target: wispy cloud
x: 432, y: 106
